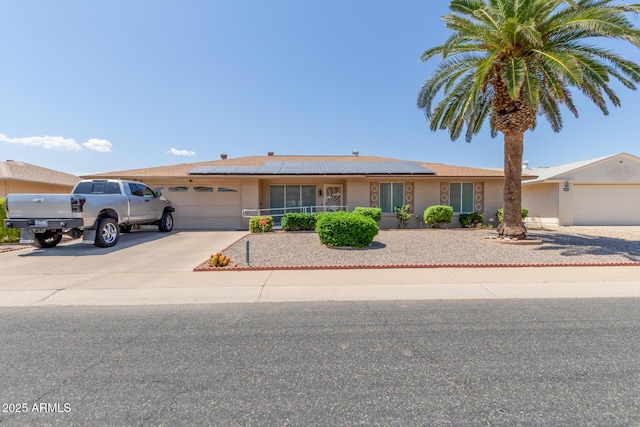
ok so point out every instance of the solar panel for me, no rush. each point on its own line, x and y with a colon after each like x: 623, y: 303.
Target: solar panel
x: 317, y: 168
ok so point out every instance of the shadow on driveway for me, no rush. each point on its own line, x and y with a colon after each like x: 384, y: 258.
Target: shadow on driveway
x: 572, y: 245
x: 75, y: 247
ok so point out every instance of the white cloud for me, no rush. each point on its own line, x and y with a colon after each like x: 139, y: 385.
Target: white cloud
x: 101, y: 145
x: 48, y: 142
x: 59, y: 143
x: 181, y: 152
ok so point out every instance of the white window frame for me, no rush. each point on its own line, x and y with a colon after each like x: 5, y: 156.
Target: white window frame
x: 461, y: 184
x: 394, y: 203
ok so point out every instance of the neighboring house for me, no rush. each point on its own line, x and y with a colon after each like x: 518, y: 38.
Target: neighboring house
x: 212, y: 195
x: 20, y: 177
x: 603, y: 191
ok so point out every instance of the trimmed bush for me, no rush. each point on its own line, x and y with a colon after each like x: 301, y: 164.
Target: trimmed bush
x: 373, y: 213
x: 500, y: 214
x: 260, y: 224
x: 346, y: 229
x: 299, y: 221
x: 471, y: 219
x: 438, y: 216
x: 7, y: 235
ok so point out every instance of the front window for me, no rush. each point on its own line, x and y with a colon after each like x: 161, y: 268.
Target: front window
x: 461, y: 197
x: 391, y: 196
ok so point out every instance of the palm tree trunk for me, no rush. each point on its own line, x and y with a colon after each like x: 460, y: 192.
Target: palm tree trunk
x: 512, y: 225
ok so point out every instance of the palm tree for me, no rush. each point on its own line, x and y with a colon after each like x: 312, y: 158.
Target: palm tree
x: 510, y: 61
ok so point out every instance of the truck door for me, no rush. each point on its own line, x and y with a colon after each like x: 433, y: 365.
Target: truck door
x: 138, y: 209
x: 153, y: 206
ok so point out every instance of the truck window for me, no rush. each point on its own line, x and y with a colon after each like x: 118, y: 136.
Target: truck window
x: 135, y: 189
x: 112, y: 188
x: 146, y: 191
x: 83, y: 188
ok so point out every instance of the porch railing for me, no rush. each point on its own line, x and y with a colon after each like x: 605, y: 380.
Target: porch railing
x: 278, y: 213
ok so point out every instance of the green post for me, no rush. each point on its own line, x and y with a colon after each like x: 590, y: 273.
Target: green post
x: 247, y: 253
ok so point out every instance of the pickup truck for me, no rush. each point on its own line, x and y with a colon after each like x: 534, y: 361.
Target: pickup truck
x: 96, y: 209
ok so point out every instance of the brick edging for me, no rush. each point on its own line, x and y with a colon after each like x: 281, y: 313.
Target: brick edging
x: 203, y: 267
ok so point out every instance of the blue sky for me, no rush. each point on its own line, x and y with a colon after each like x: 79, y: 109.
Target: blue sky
x: 89, y: 86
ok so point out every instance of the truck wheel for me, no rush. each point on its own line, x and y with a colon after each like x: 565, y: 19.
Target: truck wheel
x: 107, y: 233
x: 48, y: 239
x: 166, y: 222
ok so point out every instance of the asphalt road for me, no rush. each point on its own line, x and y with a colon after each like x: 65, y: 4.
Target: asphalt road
x: 525, y: 362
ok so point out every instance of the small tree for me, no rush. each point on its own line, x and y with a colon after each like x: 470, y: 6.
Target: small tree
x: 403, y: 215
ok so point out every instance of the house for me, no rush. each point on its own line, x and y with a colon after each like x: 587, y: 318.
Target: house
x: 20, y: 177
x: 602, y: 191
x: 214, y: 194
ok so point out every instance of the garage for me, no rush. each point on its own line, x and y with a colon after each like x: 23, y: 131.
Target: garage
x: 205, y: 206
x: 606, y: 204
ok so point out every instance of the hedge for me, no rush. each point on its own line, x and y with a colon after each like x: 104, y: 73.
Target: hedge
x: 294, y: 221
x: 260, y: 224
x: 471, y: 219
x: 373, y: 213
x: 346, y: 229
x: 7, y: 235
x: 499, y: 214
x: 438, y: 215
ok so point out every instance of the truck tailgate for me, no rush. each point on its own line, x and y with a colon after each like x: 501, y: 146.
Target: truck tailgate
x: 39, y: 206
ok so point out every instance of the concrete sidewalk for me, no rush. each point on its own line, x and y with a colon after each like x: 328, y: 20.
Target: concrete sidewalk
x: 181, y: 287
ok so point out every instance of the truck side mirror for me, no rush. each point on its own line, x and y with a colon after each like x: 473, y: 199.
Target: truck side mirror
x: 158, y: 193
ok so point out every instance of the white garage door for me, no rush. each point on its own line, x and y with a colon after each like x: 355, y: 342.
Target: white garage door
x: 606, y: 204
x: 205, y: 207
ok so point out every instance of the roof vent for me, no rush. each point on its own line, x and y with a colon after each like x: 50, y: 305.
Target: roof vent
x: 356, y: 153
x: 525, y: 164
x: 270, y: 153
x: 223, y: 156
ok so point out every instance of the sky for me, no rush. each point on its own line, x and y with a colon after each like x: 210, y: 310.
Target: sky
x: 99, y: 86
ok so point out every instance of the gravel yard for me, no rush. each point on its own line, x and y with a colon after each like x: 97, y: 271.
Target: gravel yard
x: 434, y: 247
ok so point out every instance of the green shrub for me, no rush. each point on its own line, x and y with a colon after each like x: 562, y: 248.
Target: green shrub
x: 403, y: 215
x: 7, y: 235
x: 438, y: 216
x: 299, y: 221
x: 373, y: 213
x: 500, y: 214
x: 346, y: 229
x: 471, y: 219
x: 260, y: 224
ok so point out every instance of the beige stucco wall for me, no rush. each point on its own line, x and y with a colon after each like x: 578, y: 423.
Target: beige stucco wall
x: 617, y: 170
x: 8, y: 186
x: 543, y: 202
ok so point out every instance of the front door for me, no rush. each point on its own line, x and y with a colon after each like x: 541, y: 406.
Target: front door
x: 332, y: 199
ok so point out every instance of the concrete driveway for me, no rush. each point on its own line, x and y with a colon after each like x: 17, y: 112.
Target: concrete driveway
x: 137, y: 252
x: 147, y: 267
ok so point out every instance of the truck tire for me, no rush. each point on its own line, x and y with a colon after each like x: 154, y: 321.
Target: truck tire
x: 48, y: 239
x: 107, y: 233
x: 166, y: 222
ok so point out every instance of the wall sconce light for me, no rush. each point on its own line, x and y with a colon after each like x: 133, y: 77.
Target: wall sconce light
x: 566, y: 186
x: 320, y: 192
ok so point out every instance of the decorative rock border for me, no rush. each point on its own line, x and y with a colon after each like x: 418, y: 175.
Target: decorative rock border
x: 203, y: 266
x: 11, y: 247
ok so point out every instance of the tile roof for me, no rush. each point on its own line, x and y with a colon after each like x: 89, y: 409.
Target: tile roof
x: 21, y: 171
x: 182, y: 170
